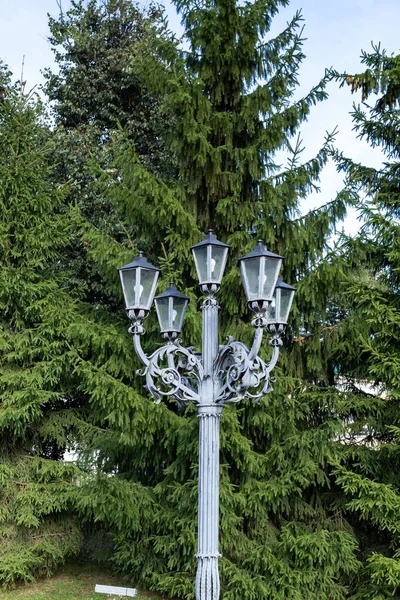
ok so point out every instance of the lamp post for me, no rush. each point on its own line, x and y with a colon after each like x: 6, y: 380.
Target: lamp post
x: 220, y: 374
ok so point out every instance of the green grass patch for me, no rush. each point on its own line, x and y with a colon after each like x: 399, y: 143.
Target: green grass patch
x: 73, y: 582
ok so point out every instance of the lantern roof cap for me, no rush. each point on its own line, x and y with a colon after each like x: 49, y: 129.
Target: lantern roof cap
x: 171, y: 291
x: 210, y: 238
x: 283, y: 285
x: 260, y: 250
x: 139, y: 261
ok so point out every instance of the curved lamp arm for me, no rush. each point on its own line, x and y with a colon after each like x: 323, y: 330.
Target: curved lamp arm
x: 139, y: 350
x: 274, y: 358
x: 255, y: 348
x: 275, y: 343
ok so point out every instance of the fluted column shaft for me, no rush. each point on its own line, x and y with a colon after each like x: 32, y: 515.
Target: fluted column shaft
x: 207, y: 577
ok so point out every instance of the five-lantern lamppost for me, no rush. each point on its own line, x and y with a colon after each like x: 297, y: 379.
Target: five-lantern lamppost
x: 220, y: 374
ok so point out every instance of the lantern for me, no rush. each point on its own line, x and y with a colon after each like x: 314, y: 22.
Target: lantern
x: 171, y: 307
x: 278, y: 311
x: 210, y: 258
x: 139, y: 281
x: 259, y: 270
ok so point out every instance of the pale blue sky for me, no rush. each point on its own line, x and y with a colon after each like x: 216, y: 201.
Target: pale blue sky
x: 336, y: 31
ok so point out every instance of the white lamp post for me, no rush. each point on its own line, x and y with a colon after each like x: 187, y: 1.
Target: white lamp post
x: 221, y: 374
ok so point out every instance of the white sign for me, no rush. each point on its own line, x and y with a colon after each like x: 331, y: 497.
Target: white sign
x: 122, y: 592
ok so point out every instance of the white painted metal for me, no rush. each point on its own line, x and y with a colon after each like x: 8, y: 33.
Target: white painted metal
x: 122, y: 592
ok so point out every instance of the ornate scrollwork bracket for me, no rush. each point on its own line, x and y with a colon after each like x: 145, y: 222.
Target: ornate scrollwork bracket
x: 177, y: 372
x: 171, y: 371
x: 276, y: 331
x: 242, y: 373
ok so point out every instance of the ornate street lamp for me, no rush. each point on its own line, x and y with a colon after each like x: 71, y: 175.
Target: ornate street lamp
x: 220, y: 374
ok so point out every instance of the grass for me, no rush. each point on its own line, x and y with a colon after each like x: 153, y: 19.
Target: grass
x: 73, y: 582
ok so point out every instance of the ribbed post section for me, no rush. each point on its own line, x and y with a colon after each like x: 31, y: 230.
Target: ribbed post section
x: 210, y: 310
x: 207, y: 577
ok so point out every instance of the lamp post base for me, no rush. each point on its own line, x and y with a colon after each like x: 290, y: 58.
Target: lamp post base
x: 207, y: 578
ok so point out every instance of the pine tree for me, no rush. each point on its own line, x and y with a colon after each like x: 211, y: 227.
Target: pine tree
x: 229, y: 100
x: 94, y: 93
x: 369, y: 474
x: 37, y: 529
x: 93, y: 44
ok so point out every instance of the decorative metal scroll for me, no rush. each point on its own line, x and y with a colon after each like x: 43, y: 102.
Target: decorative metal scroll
x: 175, y: 371
x: 240, y: 375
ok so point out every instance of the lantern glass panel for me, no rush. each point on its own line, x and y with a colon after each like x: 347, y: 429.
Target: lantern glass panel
x: 178, y: 313
x: 269, y: 272
x: 162, y: 308
x: 250, y: 270
x: 147, y: 287
x: 218, y: 257
x: 200, y: 259
x: 285, y: 304
x: 128, y: 281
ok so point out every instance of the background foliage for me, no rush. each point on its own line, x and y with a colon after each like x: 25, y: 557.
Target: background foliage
x: 150, y: 146
x: 37, y: 528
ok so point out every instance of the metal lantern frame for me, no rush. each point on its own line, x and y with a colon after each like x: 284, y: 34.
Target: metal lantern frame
x: 133, y: 276
x: 220, y: 374
x: 207, y: 254
x: 275, y: 310
x: 259, y: 282
x: 172, y: 301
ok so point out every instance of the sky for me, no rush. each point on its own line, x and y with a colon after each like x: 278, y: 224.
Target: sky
x: 336, y: 32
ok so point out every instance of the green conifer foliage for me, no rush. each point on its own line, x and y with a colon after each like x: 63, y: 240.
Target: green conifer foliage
x: 37, y: 529
x: 369, y: 474
x: 95, y: 88
x: 94, y: 93
x: 230, y: 104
